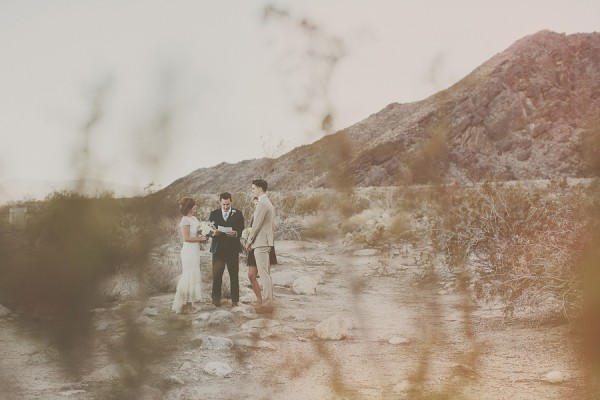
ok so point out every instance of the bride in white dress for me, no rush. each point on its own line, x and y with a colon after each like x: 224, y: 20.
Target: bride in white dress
x: 188, y: 288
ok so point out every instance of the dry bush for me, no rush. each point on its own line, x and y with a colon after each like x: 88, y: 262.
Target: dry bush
x: 310, y: 205
x: 73, y: 242
x: 350, y: 204
x: 429, y: 162
x: 383, y: 225
x: 72, y: 256
x: 163, y: 267
x: 298, y: 203
x: 288, y: 229
x: 301, y: 215
x: 590, y: 323
x: 518, y: 244
x: 399, y: 225
x: 351, y: 225
x: 371, y: 237
x: 316, y: 228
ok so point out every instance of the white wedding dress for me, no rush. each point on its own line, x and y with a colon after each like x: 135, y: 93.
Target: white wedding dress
x: 188, y: 288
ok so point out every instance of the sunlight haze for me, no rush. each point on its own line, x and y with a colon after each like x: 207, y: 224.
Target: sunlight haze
x: 180, y: 85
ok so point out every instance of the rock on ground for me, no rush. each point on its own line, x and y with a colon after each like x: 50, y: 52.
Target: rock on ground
x: 216, y: 368
x: 335, y: 328
x: 304, y: 285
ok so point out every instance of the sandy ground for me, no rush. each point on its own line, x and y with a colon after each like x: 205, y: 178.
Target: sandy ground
x: 440, y: 354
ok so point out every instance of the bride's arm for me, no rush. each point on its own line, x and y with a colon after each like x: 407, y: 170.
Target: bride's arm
x: 185, y: 230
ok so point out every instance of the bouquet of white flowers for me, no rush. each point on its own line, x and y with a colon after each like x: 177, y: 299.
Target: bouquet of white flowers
x: 246, y: 233
x: 207, y: 228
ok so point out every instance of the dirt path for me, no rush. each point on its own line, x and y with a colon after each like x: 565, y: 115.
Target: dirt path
x: 408, y: 339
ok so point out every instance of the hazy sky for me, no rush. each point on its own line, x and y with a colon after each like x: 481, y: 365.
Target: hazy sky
x: 148, y: 91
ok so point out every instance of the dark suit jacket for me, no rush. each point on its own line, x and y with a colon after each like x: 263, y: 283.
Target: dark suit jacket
x: 222, y: 244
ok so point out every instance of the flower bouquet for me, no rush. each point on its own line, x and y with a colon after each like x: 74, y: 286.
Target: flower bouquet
x: 207, y: 228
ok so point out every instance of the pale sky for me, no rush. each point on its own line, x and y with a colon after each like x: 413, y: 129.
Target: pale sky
x: 190, y: 84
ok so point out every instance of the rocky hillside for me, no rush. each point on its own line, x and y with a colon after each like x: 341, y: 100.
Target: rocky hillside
x: 530, y: 112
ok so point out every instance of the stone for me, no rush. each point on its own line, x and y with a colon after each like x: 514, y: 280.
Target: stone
x: 142, y: 319
x: 68, y: 393
x: 220, y: 317
x: 304, y: 285
x: 285, y: 278
x: 186, y: 366
x: 334, y: 328
x: 219, y: 369
x: 174, y: 380
x: 366, y: 252
x: 463, y: 369
x: 398, y: 340
x: 216, y: 343
x: 150, y: 312
x: 4, y: 312
x: 110, y: 373
x: 102, y: 325
x: 554, y: 377
x: 205, y: 316
x: 402, y: 386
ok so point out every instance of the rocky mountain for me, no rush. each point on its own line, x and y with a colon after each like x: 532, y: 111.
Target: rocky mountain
x: 530, y: 112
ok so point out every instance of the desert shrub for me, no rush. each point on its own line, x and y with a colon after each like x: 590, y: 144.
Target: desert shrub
x: 373, y: 236
x: 291, y: 209
x: 288, y: 229
x: 309, y: 205
x: 316, y: 228
x: 382, y: 197
x: 161, y: 272
x: 399, y: 225
x: 429, y: 160
x: 414, y: 198
x: 348, y: 226
x: 518, y: 244
x: 70, y: 245
x: 350, y: 204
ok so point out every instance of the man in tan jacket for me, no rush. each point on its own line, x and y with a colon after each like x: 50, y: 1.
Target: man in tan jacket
x: 261, y: 240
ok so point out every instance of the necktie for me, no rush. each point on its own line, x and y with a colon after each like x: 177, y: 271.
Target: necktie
x: 226, y: 215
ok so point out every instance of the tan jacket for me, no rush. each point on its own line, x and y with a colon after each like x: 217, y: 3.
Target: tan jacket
x: 262, y: 224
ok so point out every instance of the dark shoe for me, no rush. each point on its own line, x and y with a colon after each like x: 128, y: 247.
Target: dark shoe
x: 235, y: 304
x: 217, y: 304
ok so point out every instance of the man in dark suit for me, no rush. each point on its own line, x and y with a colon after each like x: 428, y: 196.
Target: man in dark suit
x: 226, y: 247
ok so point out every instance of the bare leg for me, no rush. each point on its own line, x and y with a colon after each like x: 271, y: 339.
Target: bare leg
x: 188, y: 308
x: 252, y: 272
